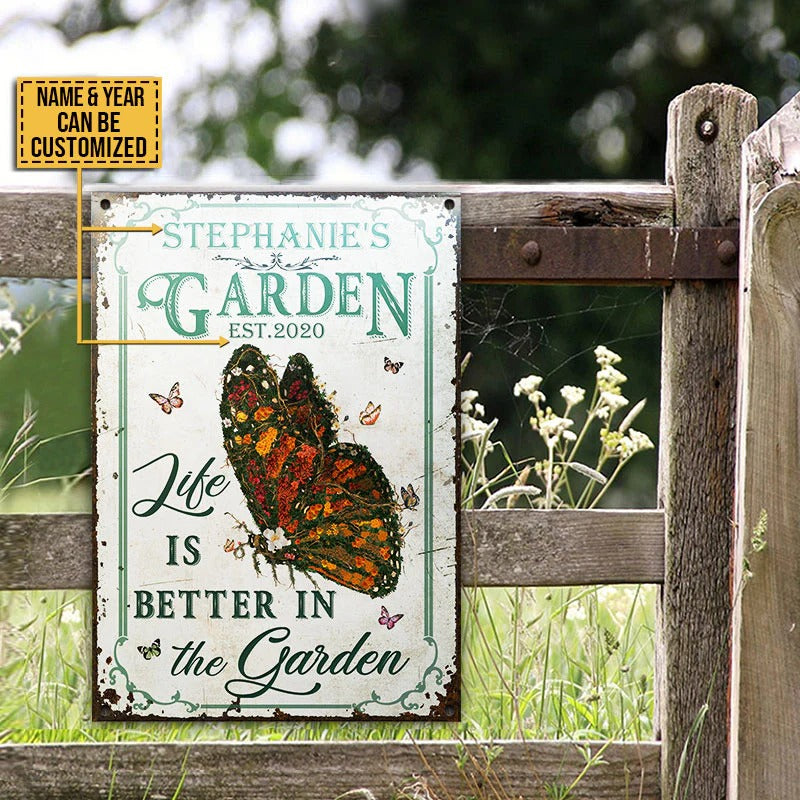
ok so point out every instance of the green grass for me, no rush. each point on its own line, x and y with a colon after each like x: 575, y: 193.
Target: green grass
x: 536, y: 663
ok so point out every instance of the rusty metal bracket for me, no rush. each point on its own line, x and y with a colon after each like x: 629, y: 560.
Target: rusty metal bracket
x: 598, y: 254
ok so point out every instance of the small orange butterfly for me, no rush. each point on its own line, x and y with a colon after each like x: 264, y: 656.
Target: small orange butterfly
x: 369, y: 416
x: 409, y: 496
x: 392, y: 366
x: 173, y: 401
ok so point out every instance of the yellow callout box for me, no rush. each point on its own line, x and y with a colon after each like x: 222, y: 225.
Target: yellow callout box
x: 88, y: 122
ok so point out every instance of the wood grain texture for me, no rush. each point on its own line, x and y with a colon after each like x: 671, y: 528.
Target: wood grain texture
x: 566, y: 204
x: 705, y: 174
x: 538, y: 548
x: 765, y: 722
x: 696, y: 459
x: 318, y: 771
x: 561, y: 548
x: 37, y: 228
x: 37, y: 234
x: 63, y: 545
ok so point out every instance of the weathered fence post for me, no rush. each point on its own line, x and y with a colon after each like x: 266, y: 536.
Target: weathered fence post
x: 706, y: 128
x: 765, y: 716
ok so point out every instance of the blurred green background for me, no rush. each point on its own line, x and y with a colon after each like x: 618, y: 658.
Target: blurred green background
x: 47, y: 382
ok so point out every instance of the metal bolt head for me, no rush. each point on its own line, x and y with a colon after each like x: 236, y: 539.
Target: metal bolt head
x: 707, y: 130
x: 531, y: 253
x: 727, y: 252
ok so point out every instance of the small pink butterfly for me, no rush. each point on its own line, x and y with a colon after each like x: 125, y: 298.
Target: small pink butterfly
x: 168, y: 403
x: 389, y: 621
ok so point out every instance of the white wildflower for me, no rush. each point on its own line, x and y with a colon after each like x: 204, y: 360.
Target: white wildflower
x: 551, y: 427
x: 472, y: 428
x: 573, y: 394
x: 569, y: 436
x: 609, y: 378
x: 467, y: 398
x: 8, y: 323
x: 612, y: 401
x: 641, y: 441
x: 276, y: 540
x: 624, y: 448
x: 236, y: 371
x: 479, y: 410
x: 528, y: 386
x: 11, y: 331
x: 604, y: 356
x: 628, y: 445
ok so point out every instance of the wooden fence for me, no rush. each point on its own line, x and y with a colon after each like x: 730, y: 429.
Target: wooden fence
x: 682, y: 235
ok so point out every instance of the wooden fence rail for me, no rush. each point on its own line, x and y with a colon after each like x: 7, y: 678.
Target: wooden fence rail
x: 314, y: 771
x: 539, y: 548
x: 587, y: 233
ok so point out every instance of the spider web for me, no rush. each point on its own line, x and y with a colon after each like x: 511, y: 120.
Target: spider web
x: 552, y: 331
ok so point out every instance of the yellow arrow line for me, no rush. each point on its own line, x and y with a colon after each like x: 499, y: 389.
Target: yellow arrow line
x: 80, y: 230
x: 221, y: 342
x: 154, y: 229
x: 79, y: 237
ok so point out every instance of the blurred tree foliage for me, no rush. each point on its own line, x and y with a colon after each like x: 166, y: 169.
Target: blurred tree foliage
x: 521, y: 89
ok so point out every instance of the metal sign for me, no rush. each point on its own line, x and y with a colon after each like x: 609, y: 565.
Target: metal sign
x: 276, y: 517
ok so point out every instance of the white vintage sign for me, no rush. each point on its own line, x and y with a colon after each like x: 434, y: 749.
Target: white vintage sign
x: 276, y: 518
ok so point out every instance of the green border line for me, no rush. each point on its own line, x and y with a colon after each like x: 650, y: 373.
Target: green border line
x: 428, y: 479
x: 428, y: 373
x: 123, y: 461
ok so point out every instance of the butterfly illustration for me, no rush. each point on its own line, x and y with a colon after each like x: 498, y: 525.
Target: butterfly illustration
x: 369, y: 416
x: 392, y: 366
x: 409, y: 496
x: 387, y: 620
x: 173, y: 401
x: 151, y: 652
x: 229, y: 545
x: 331, y: 501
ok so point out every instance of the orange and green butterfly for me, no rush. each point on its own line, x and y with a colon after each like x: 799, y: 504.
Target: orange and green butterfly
x: 322, y: 506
